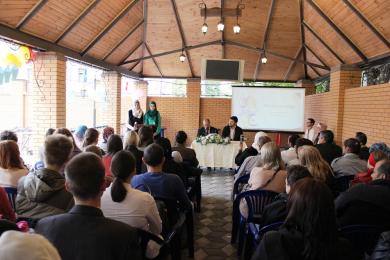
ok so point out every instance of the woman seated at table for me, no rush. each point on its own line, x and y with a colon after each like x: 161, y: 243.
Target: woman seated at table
x: 268, y: 175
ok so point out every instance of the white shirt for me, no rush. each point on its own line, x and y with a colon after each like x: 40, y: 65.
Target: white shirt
x: 138, y: 210
x: 289, y: 155
x: 10, y: 177
x: 232, y: 132
x: 310, y: 134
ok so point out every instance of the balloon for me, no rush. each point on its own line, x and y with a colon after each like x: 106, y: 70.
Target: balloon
x: 12, y: 59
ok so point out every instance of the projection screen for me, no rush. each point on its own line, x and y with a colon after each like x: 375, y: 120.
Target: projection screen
x: 277, y: 109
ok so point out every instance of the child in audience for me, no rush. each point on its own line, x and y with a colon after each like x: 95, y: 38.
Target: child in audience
x: 42, y: 193
x: 125, y: 204
x: 310, y: 230
x: 11, y: 165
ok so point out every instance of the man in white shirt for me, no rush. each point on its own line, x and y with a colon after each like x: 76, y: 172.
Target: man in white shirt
x: 310, y: 129
x: 290, y: 154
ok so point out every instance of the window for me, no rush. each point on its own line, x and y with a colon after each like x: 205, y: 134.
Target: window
x: 167, y: 87
x: 376, y: 74
x: 322, y: 86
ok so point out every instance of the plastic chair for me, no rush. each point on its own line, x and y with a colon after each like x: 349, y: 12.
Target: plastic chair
x: 145, y: 237
x: 11, y: 193
x: 362, y: 237
x: 242, y: 180
x: 256, y: 201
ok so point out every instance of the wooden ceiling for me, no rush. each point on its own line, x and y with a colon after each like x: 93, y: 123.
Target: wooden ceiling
x: 301, y: 38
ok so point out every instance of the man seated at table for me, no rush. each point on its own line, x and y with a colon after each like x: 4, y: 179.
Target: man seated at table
x: 206, y: 129
x: 232, y: 130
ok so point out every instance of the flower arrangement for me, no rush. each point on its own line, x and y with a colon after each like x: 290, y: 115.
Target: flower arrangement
x: 212, y: 139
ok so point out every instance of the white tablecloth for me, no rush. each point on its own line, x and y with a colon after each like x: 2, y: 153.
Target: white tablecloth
x: 217, y: 155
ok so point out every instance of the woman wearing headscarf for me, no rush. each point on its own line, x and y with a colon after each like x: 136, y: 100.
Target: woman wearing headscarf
x: 153, y: 118
x: 136, y: 116
x: 250, y: 151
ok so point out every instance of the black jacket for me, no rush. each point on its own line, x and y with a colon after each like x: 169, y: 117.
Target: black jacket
x: 84, y: 233
x: 365, y: 204
x: 137, y: 156
x: 133, y: 119
x: 237, y: 133
x: 364, y: 153
x: 329, y: 151
x: 287, y: 244
x: 202, y: 131
x: 188, y: 155
x: 382, y: 249
x: 275, y: 211
x: 242, y: 155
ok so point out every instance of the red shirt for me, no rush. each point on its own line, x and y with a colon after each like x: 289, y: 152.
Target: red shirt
x: 5, y: 208
x: 107, y: 163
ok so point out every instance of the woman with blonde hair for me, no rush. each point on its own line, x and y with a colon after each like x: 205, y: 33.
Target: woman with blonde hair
x: 131, y: 143
x: 310, y: 157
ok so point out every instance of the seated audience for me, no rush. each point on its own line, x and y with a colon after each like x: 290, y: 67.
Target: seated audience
x: 91, y: 137
x: 380, y: 146
x: 250, y: 162
x: 277, y: 210
x: 311, y: 158
x: 188, y: 154
x: 365, y: 177
x: 66, y: 132
x: 318, y: 128
x: 250, y: 151
x: 114, y: 145
x: 19, y: 245
x: 310, y: 132
x: 6, y: 211
x: 130, y: 206
x: 170, y: 166
x: 349, y: 163
x: 39, y: 164
x: 364, y: 150
x: 310, y: 230
x: 367, y: 204
x: 298, y: 144
x: 177, y: 157
x: 145, y: 134
x: 93, y: 149
x: 11, y: 165
x: 290, y: 154
x: 328, y: 149
x: 232, y: 130
x: 131, y: 142
x: 79, y: 134
x: 269, y: 174
x: 8, y: 135
x: 107, y: 132
x: 206, y: 129
x: 42, y: 193
x: 160, y: 184
x: 84, y: 232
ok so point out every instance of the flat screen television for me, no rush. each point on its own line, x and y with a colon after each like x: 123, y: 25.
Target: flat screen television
x: 223, y: 70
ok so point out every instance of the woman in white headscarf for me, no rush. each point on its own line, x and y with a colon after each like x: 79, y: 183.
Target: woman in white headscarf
x: 136, y: 116
x: 250, y: 151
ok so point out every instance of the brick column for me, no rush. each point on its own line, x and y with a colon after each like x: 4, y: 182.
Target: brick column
x: 48, y: 97
x: 108, y: 111
x: 308, y: 85
x: 143, y: 91
x: 342, y: 77
x: 193, y: 106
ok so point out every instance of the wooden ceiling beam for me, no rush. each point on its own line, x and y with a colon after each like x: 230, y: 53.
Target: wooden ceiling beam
x: 38, y: 6
x: 154, y: 60
x: 173, y: 51
x: 182, y: 35
x: 315, y: 70
x: 367, y: 23
x: 292, y: 63
x: 302, y: 31
x: 135, y: 65
x: 145, y: 14
x: 323, y: 42
x: 109, y: 26
x: 131, y: 53
x: 265, y: 37
x: 338, y: 30
x: 124, y: 38
x: 315, y: 55
x: 25, y: 38
x: 77, y: 20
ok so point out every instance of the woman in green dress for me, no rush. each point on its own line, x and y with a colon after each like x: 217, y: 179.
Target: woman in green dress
x: 152, y: 118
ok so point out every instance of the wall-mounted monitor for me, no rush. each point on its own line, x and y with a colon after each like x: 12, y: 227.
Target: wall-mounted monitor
x: 223, y: 70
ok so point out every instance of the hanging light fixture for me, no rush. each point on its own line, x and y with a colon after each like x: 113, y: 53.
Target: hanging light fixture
x: 220, y: 25
x: 236, y: 27
x: 182, y: 57
x: 205, y: 27
x: 263, y: 58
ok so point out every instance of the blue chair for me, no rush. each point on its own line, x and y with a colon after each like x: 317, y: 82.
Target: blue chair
x: 256, y: 200
x: 242, y: 180
x: 11, y: 193
x: 362, y: 237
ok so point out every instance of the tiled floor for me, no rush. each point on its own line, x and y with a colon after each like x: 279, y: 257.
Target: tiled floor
x: 213, y: 224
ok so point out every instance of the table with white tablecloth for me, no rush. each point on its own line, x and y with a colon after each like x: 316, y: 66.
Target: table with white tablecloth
x: 217, y: 155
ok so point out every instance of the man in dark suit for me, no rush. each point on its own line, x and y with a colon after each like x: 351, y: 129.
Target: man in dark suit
x: 232, y: 130
x: 84, y: 233
x: 206, y: 129
x: 328, y: 149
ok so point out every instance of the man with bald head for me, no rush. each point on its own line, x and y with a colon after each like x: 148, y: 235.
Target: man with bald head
x: 206, y: 129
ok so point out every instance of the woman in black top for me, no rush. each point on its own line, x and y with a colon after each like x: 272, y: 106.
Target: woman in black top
x: 136, y: 116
